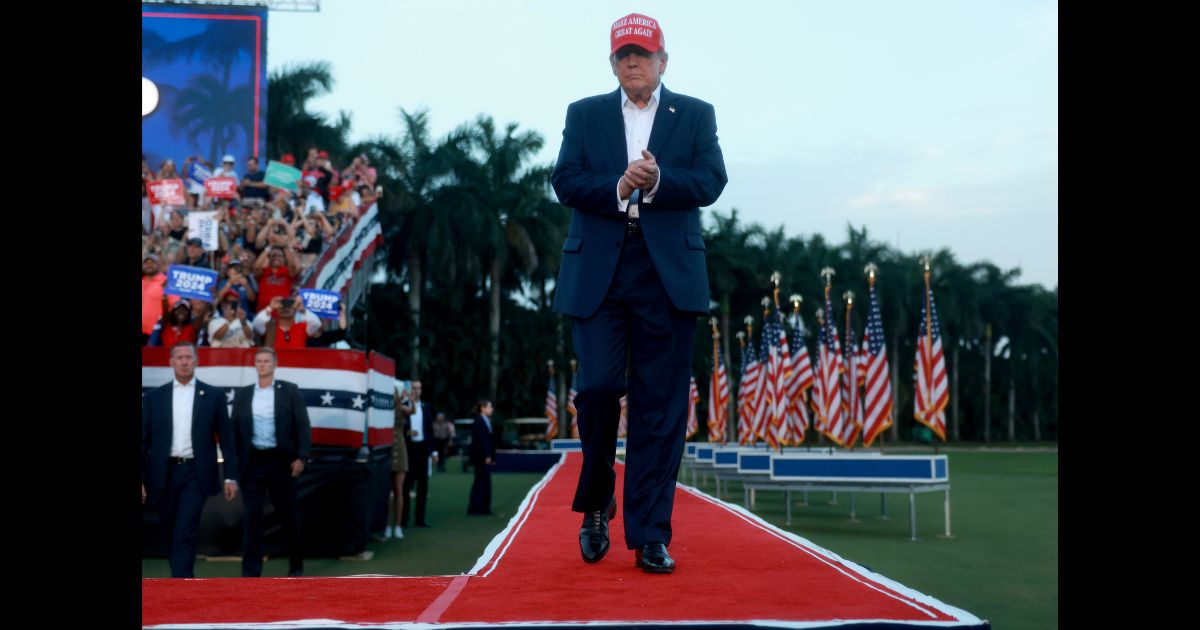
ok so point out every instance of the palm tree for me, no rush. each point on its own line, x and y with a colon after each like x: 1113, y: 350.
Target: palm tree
x: 494, y: 186
x: 411, y: 170
x: 207, y: 107
x: 291, y: 128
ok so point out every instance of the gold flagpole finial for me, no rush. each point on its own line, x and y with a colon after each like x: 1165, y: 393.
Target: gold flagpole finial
x: 926, y: 263
x: 871, y: 270
x: 821, y: 315
x: 849, y: 297
x: 716, y: 334
x: 795, y: 299
x: 776, y: 277
x: 741, y: 337
x: 574, y: 365
x: 550, y: 366
x: 766, y: 302
x: 828, y: 274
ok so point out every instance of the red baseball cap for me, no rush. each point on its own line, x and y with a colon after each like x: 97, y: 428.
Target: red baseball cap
x: 639, y: 30
x: 322, y: 154
x: 288, y: 159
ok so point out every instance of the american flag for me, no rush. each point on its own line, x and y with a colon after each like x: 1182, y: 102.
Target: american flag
x: 623, y: 425
x: 551, y: 410
x: 718, y: 398
x: 851, y: 400
x: 829, y: 374
x: 799, y: 380
x: 931, y: 393
x: 818, y: 389
x: 693, y: 424
x: 877, y: 402
x: 747, y: 394
x: 571, y: 405
x: 772, y: 401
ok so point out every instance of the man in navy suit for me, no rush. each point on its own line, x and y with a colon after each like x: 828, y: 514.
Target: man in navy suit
x: 274, y: 438
x: 482, y: 454
x: 179, y: 454
x: 635, y: 166
x: 418, y: 437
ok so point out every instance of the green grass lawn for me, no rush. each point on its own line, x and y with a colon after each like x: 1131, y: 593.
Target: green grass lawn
x: 1001, y: 565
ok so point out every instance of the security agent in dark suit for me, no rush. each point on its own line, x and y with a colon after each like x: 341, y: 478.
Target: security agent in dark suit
x: 418, y: 427
x: 635, y: 166
x: 179, y: 456
x: 482, y: 454
x: 274, y: 439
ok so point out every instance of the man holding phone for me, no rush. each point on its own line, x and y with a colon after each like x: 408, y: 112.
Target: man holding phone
x: 286, y: 324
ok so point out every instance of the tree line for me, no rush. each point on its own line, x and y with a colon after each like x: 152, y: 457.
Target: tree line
x: 473, y: 243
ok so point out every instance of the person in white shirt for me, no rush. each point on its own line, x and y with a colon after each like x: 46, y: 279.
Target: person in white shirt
x: 232, y: 329
x: 420, y: 440
x: 228, y: 168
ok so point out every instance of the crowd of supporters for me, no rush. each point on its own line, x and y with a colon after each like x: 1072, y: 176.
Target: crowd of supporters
x: 268, y: 239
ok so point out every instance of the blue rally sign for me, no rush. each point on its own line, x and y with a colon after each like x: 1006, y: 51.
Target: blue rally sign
x: 325, y: 304
x: 191, y: 282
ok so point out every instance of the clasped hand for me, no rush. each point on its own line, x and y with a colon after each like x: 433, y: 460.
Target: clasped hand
x: 641, y: 174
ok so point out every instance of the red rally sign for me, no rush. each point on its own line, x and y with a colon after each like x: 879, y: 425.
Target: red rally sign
x: 221, y: 187
x: 166, y: 191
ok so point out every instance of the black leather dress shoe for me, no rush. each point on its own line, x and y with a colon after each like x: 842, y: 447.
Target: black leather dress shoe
x: 593, y: 535
x: 653, y: 558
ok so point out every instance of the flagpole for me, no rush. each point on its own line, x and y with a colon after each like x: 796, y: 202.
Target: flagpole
x: 749, y: 320
x: 871, y: 269
x: 776, y: 277
x: 828, y: 273
x: 929, y: 332
x: 557, y: 428
x: 795, y: 299
x: 852, y: 377
x: 713, y: 388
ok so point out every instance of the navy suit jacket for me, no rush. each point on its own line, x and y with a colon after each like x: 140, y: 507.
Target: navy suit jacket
x: 209, y: 419
x: 293, y: 431
x: 592, y: 160
x: 423, y: 448
x: 483, y: 443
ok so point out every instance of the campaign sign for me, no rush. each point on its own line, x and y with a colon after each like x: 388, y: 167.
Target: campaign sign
x: 322, y: 303
x: 203, y: 225
x: 198, y: 172
x: 166, y: 191
x: 281, y: 175
x: 191, y: 282
x: 221, y: 188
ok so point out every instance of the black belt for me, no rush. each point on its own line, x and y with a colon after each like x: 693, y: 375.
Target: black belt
x: 180, y: 460
x: 633, y: 228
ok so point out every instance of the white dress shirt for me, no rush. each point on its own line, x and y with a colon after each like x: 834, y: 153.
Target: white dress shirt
x: 638, y: 124
x: 418, y: 423
x: 263, y: 411
x: 182, y: 398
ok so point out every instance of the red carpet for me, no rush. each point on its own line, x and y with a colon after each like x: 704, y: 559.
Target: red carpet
x: 732, y: 568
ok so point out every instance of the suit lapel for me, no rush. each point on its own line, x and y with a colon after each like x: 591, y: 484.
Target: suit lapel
x: 616, y: 130
x: 197, y: 400
x: 664, y: 122
x: 278, y: 410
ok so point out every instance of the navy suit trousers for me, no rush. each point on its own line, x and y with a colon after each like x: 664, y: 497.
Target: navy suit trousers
x: 637, y: 330
x: 179, y: 512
